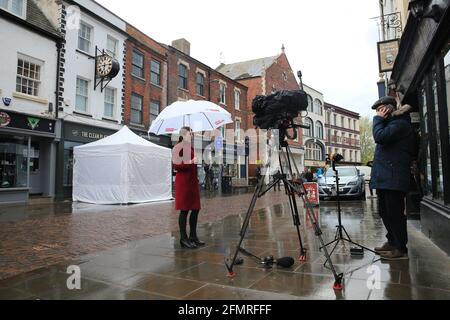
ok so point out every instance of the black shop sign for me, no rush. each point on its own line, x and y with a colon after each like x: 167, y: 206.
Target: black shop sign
x: 15, y: 120
x: 85, y: 134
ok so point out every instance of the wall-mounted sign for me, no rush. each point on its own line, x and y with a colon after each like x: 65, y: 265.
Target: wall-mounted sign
x: 6, y: 101
x: 5, y: 119
x: 84, y: 134
x: 21, y: 121
x: 387, y: 53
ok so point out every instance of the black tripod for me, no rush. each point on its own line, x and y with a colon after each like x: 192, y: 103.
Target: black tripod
x: 340, y: 229
x: 292, y: 189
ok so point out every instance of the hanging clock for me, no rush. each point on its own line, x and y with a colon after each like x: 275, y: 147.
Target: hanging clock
x: 106, y: 69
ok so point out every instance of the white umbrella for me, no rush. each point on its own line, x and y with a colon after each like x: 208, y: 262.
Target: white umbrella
x: 198, y: 115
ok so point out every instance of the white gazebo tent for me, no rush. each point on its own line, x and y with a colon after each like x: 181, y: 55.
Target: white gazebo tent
x: 122, y: 168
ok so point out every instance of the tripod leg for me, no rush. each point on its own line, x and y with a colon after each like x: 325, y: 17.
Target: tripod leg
x: 293, y: 203
x: 244, y: 227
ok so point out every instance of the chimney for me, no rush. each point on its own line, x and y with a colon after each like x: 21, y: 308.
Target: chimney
x: 183, y: 45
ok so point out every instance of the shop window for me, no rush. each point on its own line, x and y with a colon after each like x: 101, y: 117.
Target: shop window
x: 439, y: 184
x: 13, y: 162
x: 68, y: 162
x: 447, y: 89
x: 426, y: 179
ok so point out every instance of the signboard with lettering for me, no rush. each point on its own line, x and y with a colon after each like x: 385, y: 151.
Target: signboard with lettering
x: 387, y: 53
x: 26, y: 122
x: 312, y: 190
x: 85, y: 134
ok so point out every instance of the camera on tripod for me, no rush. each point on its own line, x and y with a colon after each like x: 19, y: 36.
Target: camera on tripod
x: 279, y: 109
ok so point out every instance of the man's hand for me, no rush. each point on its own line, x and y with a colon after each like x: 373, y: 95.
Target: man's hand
x: 383, y: 111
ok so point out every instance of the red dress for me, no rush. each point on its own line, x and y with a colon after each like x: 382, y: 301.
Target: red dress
x: 187, y: 189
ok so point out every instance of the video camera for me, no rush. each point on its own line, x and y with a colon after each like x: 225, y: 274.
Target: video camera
x: 279, y: 108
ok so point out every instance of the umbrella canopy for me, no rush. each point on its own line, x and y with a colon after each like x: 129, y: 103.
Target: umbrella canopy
x: 198, y: 115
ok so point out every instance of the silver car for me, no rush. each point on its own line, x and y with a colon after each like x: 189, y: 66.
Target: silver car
x: 351, y: 183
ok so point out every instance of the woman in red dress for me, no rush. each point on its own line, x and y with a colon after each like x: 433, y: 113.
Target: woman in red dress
x: 187, y: 190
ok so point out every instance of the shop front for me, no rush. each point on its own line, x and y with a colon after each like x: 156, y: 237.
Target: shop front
x: 73, y: 135
x: 27, y: 157
x: 422, y: 75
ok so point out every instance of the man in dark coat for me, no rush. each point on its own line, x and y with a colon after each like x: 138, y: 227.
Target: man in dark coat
x: 393, y: 134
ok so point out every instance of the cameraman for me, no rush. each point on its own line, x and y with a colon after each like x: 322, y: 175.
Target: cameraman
x: 393, y: 134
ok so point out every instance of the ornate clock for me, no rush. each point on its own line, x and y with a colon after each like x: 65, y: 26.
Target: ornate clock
x: 106, y: 69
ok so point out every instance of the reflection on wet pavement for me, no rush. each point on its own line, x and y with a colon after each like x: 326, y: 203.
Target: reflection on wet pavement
x: 133, y: 253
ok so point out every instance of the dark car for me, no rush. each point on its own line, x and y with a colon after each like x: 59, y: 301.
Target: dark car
x: 351, y: 183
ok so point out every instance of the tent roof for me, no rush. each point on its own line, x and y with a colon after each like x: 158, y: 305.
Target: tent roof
x: 123, y: 136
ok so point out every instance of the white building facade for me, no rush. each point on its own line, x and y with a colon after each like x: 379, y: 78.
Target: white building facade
x: 314, y: 137
x: 28, y: 92
x: 88, y: 109
x: 343, y: 134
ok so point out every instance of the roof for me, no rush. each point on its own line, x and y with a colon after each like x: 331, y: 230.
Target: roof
x: 37, y: 18
x: 121, y: 137
x: 247, y: 69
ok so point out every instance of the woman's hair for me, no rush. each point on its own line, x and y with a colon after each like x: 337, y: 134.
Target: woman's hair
x: 183, y: 132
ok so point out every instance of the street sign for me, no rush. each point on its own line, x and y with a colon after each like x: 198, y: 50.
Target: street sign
x: 312, y: 191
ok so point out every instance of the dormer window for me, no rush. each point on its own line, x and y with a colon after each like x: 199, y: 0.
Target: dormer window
x: 16, y: 7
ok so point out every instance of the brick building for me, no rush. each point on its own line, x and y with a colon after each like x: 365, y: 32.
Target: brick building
x: 342, y: 132
x: 145, y: 84
x: 262, y: 77
x: 190, y: 79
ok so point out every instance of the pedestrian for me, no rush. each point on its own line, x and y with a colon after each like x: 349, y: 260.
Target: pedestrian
x: 394, y: 153
x: 309, y: 176
x: 370, y: 164
x: 187, y: 193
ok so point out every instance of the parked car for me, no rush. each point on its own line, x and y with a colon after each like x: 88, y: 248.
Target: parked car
x: 367, y: 172
x: 351, y: 183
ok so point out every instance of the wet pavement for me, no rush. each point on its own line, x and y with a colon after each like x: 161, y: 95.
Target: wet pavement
x: 133, y: 252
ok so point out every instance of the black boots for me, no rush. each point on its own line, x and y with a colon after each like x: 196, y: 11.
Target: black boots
x: 192, y: 242
x: 186, y: 243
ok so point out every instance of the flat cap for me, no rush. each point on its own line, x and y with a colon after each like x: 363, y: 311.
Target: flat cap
x: 384, y: 100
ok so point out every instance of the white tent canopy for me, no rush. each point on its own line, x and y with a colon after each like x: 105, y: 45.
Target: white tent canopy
x: 122, y: 168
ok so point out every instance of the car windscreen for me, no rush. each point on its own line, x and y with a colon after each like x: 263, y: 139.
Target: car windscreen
x: 343, y: 172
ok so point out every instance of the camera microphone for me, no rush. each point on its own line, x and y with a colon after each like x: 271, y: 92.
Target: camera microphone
x: 285, y: 262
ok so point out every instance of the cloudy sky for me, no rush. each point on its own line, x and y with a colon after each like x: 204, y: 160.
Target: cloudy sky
x: 332, y: 42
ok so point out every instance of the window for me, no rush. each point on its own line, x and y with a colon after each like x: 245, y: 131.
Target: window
x: 237, y: 99
x: 238, y: 130
x: 351, y: 155
x: 155, y: 72
x: 200, y: 84
x: 328, y: 117
x: 81, y: 100
x: 309, y: 132
x: 350, y: 140
x: 318, y: 107
x: 28, y: 78
x: 310, y: 104
x: 222, y: 92
x: 136, y: 108
x: 110, y: 102
x: 342, y: 122
x: 314, y: 151
x: 439, y: 174
x: 154, y: 110
x: 16, y: 7
x: 335, y: 120
x: 182, y: 76
x: 344, y: 154
x: 111, y: 46
x: 354, y: 125
x: 319, y: 130
x: 84, y: 37
x: 137, y: 68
